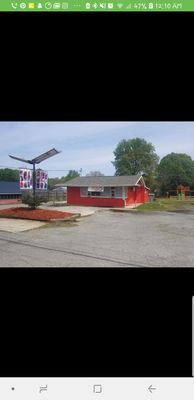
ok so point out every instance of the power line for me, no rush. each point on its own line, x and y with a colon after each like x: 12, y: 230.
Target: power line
x: 51, y: 170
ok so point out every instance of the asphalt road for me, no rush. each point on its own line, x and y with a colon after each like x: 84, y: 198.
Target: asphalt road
x: 105, y: 239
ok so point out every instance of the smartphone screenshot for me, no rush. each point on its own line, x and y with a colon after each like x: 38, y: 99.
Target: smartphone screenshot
x: 97, y: 258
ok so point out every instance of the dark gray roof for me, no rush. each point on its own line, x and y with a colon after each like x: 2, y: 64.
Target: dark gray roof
x: 7, y: 187
x: 87, y: 181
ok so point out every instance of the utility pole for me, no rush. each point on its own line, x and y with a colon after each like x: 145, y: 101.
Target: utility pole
x: 34, y: 182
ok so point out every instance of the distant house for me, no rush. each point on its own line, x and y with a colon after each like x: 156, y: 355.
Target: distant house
x: 59, y: 187
x: 10, y: 190
x: 107, y: 191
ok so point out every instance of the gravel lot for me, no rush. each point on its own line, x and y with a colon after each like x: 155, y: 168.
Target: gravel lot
x: 106, y: 239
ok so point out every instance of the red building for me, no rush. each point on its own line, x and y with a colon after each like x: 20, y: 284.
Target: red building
x: 107, y: 191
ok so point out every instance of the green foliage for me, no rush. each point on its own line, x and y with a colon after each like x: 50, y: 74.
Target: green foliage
x: 54, y: 181
x: 7, y: 174
x: 31, y: 201
x: 95, y: 173
x: 136, y: 156
x: 175, y: 169
x: 71, y: 175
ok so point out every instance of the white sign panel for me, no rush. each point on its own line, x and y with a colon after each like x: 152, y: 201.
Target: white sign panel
x: 96, y: 189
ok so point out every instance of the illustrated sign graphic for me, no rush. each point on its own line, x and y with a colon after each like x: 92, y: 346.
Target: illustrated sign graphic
x: 25, y: 178
x: 41, y: 179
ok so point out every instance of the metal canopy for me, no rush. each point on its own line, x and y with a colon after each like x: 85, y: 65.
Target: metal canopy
x: 21, y: 159
x: 40, y: 158
x: 44, y: 156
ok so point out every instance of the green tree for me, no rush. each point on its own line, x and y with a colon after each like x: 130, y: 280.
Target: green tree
x: 71, y: 174
x: 95, y: 173
x: 136, y: 156
x: 8, y: 174
x: 54, y: 181
x: 33, y: 201
x: 175, y: 169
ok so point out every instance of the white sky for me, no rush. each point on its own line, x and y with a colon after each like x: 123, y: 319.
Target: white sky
x: 87, y: 145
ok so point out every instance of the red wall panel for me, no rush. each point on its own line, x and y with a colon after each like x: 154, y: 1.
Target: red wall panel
x: 140, y: 195
x: 130, y: 197
x: 73, y: 197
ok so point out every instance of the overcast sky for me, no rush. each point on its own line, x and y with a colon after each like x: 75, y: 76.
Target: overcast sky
x: 87, y: 145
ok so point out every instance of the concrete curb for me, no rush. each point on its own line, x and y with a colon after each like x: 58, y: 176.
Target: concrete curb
x: 72, y: 218
x: 42, y: 220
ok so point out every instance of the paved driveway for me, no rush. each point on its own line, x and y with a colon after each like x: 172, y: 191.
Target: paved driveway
x: 105, y: 239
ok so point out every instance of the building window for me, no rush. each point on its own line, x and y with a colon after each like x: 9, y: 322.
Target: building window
x: 95, y: 194
x: 108, y: 192
x: 118, y: 192
x: 112, y: 191
x: 83, y: 191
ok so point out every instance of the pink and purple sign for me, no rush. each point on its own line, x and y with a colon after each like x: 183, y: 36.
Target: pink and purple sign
x: 41, y: 179
x: 25, y: 176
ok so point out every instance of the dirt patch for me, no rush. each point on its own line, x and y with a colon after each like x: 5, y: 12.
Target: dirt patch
x: 38, y: 214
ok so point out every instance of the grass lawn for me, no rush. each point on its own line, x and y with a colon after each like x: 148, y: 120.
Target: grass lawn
x: 165, y: 204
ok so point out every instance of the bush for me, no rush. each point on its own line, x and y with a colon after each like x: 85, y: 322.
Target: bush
x: 31, y: 201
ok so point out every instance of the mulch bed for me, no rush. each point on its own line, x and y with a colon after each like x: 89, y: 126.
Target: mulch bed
x: 38, y: 214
